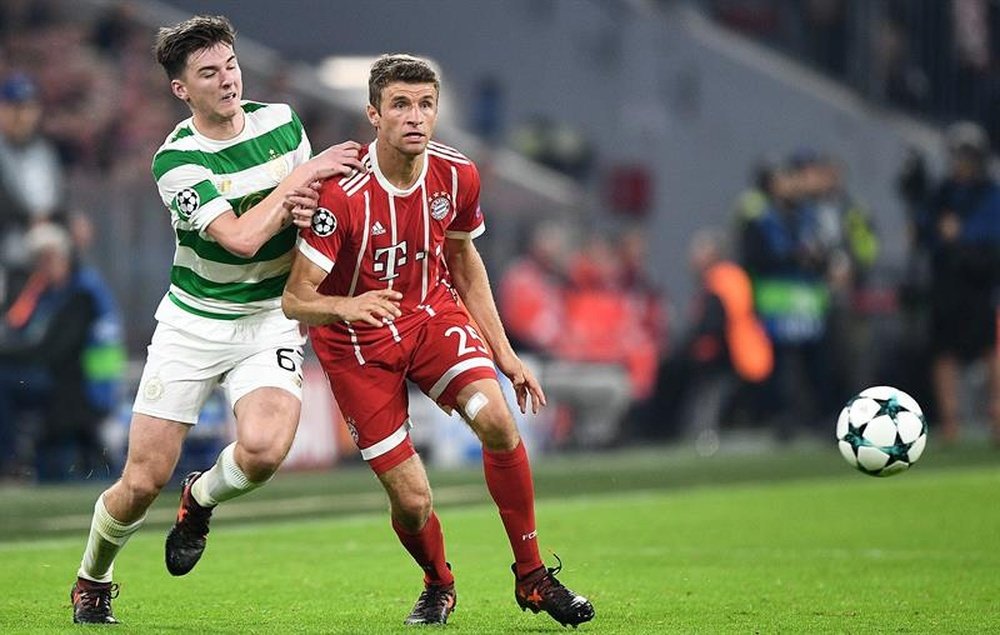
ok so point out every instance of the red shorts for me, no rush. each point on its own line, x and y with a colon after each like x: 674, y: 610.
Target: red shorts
x: 442, y: 355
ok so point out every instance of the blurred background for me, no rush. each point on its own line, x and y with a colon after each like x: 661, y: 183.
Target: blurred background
x: 710, y: 222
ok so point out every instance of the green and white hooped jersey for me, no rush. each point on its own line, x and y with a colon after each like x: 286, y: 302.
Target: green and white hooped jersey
x: 198, y: 180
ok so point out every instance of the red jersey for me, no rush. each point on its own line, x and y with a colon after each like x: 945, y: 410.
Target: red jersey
x: 368, y: 234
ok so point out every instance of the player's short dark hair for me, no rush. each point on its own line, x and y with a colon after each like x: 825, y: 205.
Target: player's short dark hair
x: 175, y: 43
x: 398, y: 67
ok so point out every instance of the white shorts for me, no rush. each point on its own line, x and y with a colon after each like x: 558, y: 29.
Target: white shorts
x: 182, y: 368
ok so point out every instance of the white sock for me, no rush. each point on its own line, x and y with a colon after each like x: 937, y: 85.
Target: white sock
x: 224, y: 481
x: 107, y: 537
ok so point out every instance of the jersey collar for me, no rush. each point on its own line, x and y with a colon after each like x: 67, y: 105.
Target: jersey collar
x: 384, y: 182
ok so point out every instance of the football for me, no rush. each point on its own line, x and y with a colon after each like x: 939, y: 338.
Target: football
x: 881, y: 431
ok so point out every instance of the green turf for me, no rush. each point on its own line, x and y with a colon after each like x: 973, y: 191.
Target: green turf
x: 917, y: 553
x: 32, y: 512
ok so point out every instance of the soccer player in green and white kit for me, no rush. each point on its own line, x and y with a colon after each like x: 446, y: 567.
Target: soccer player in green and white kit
x: 237, y: 178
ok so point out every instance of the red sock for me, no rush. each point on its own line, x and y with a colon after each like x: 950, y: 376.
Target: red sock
x: 508, y: 477
x: 427, y: 548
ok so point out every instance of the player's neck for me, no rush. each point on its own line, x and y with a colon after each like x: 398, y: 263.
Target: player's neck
x: 402, y: 170
x: 219, y: 129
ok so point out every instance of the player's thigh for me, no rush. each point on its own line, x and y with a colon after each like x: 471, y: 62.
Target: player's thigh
x: 449, y: 356
x: 180, y: 373
x: 266, y: 420
x: 154, y: 446
x: 269, y: 355
x: 266, y: 393
x: 374, y: 403
x: 265, y: 384
x: 407, y: 485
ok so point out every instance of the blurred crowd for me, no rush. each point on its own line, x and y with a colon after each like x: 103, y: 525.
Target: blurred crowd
x: 83, y: 107
x: 951, y: 292
x: 776, y: 332
x: 61, y: 333
x: 792, y: 309
x: 585, y: 309
x: 934, y: 58
x: 809, y: 248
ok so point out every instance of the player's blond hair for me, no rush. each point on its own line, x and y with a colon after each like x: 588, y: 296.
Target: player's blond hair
x: 175, y: 43
x: 398, y: 67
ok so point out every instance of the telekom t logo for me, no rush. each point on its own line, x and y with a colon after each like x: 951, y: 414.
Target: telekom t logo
x: 388, y: 258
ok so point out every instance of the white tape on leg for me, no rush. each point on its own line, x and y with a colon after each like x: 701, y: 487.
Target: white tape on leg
x: 475, y: 403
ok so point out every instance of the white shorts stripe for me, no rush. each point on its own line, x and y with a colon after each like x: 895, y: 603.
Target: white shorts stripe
x: 393, y: 330
x: 456, y: 370
x: 387, y: 444
x: 354, y: 342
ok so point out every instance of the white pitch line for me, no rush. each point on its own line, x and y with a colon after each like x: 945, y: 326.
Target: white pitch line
x: 283, y: 507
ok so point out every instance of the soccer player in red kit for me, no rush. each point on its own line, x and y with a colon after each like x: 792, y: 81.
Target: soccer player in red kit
x: 387, y: 277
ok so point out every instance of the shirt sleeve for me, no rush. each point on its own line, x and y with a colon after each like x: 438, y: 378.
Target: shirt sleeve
x: 321, y: 241
x: 469, y: 221
x: 304, y: 151
x: 187, y: 189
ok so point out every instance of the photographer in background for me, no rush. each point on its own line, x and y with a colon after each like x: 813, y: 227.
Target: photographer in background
x: 961, y: 232
x: 31, y: 176
x: 60, y: 358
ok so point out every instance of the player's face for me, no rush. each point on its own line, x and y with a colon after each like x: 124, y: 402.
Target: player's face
x: 406, y: 116
x: 212, y: 84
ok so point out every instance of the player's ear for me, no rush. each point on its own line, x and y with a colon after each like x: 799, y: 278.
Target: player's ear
x: 179, y: 90
x: 373, y: 116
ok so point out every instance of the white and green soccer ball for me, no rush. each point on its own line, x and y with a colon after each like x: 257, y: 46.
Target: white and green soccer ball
x: 881, y: 431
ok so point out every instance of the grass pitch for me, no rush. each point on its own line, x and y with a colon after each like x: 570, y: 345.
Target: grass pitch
x: 823, y: 549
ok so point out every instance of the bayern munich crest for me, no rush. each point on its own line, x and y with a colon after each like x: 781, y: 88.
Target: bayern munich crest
x: 188, y: 202
x: 324, y: 222
x: 440, y: 206
x: 352, y: 427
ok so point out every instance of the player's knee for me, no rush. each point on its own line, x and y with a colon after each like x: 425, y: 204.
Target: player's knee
x: 495, y: 427
x: 143, y: 485
x: 260, y: 464
x: 413, y: 508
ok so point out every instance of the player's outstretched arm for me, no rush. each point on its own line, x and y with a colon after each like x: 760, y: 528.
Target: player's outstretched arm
x: 244, y: 235
x: 302, y: 300
x: 472, y: 283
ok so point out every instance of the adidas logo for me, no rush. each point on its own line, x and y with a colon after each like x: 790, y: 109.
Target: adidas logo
x: 377, y: 229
